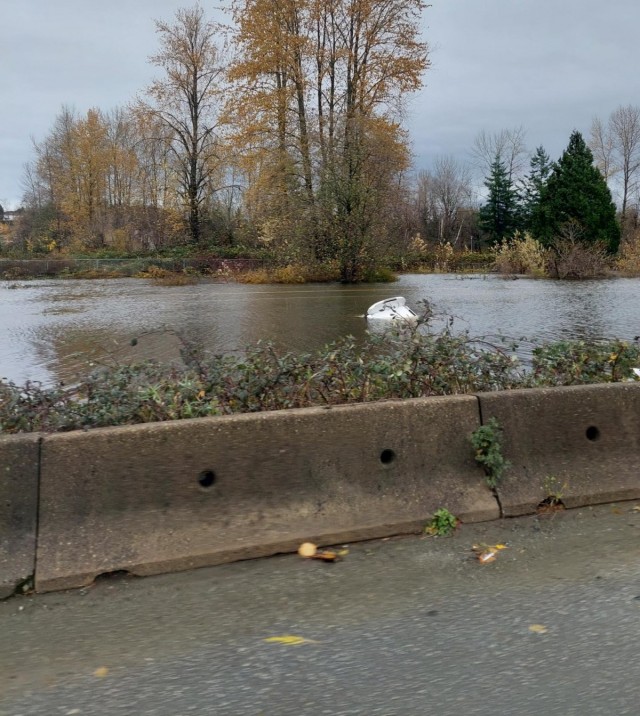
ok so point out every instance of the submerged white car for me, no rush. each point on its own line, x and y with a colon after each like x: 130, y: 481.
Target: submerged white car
x: 391, y: 309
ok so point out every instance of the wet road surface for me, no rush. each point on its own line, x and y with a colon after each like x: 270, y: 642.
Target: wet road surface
x: 400, y: 627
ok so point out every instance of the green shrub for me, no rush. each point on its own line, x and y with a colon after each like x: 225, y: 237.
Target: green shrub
x: 582, y: 362
x: 487, y: 441
x: 396, y: 364
x: 442, y: 524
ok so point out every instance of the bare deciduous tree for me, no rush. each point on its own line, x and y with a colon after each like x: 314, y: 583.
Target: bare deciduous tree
x: 616, y: 149
x: 601, y: 144
x: 444, y: 197
x: 508, y: 144
x: 187, y: 101
x: 625, y: 129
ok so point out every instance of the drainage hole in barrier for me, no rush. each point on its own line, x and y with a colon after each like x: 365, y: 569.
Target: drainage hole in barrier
x: 593, y: 433
x: 206, y: 478
x: 387, y: 457
x: 116, y: 574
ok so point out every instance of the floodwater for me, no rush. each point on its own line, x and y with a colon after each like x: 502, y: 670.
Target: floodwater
x: 60, y: 329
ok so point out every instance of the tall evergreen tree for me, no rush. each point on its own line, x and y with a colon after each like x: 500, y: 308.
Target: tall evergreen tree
x: 499, y: 216
x: 576, y: 193
x: 531, y: 189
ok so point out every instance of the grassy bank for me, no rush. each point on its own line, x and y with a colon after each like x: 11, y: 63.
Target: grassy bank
x: 13, y: 269
x: 245, y: 265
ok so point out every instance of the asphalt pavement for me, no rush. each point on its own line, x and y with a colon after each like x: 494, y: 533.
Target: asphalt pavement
x: 412, y: 626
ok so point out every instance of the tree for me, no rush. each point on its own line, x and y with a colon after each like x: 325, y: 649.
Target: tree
x: 533, y: 184
x: 625, y: 129
x: 187, y: 102
x: 444, y: 200
x: 616, y: 148
x: 89, y: 162
x: 508, y: 144
x: 602, y: 148
x: 319, y: 85
x: 499, y: 215
x: 69, y: 178
x: 576, y: 194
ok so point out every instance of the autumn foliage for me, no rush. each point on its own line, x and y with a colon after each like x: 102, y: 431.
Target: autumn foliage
x: 283, y: 131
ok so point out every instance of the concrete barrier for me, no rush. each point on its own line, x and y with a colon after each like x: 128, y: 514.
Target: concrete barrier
x: 582, y: 442
x: 170, y: 496
x: 19, y: 457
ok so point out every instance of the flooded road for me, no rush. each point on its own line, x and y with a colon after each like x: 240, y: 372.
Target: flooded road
x: 59, y: 329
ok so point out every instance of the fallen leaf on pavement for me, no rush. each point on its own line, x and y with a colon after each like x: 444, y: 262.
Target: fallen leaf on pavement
x: 289, y: 640
x: 328, y: 555
x: 486, y: 557
x: 307, y: 549
x: 487, y: 553
x: 538, y: 628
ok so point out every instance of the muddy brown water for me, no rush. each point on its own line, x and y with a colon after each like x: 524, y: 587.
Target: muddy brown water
x: 60, y: 329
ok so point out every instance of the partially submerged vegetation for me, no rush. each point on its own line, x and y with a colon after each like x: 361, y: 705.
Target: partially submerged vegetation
x: 258, y: 270
x: 172, y: 270
x: 565, y: 258
x: 401, y: 364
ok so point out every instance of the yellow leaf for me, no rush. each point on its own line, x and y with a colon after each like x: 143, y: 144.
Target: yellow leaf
x: 538, y: 628
x: 201, y: 394
x: 101, y: 672
x: 307, y: 549
x: 327, y: 555
x: 289, y: 640
x: 486, y: 553
x: 486, y: 557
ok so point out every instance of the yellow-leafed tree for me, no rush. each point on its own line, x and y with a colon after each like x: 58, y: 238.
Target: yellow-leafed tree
x: 318, y: 89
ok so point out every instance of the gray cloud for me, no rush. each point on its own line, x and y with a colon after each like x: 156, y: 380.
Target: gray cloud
x: 548, y: 65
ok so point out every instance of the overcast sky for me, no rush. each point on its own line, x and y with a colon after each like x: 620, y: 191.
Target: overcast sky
x: 548, y: 65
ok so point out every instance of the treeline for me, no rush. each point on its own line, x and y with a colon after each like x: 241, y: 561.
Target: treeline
x: 282, y: 135
x: 292, y: 142
x: 566, y: 199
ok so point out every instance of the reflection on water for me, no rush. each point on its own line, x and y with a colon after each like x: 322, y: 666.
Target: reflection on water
x: 55, y: 330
